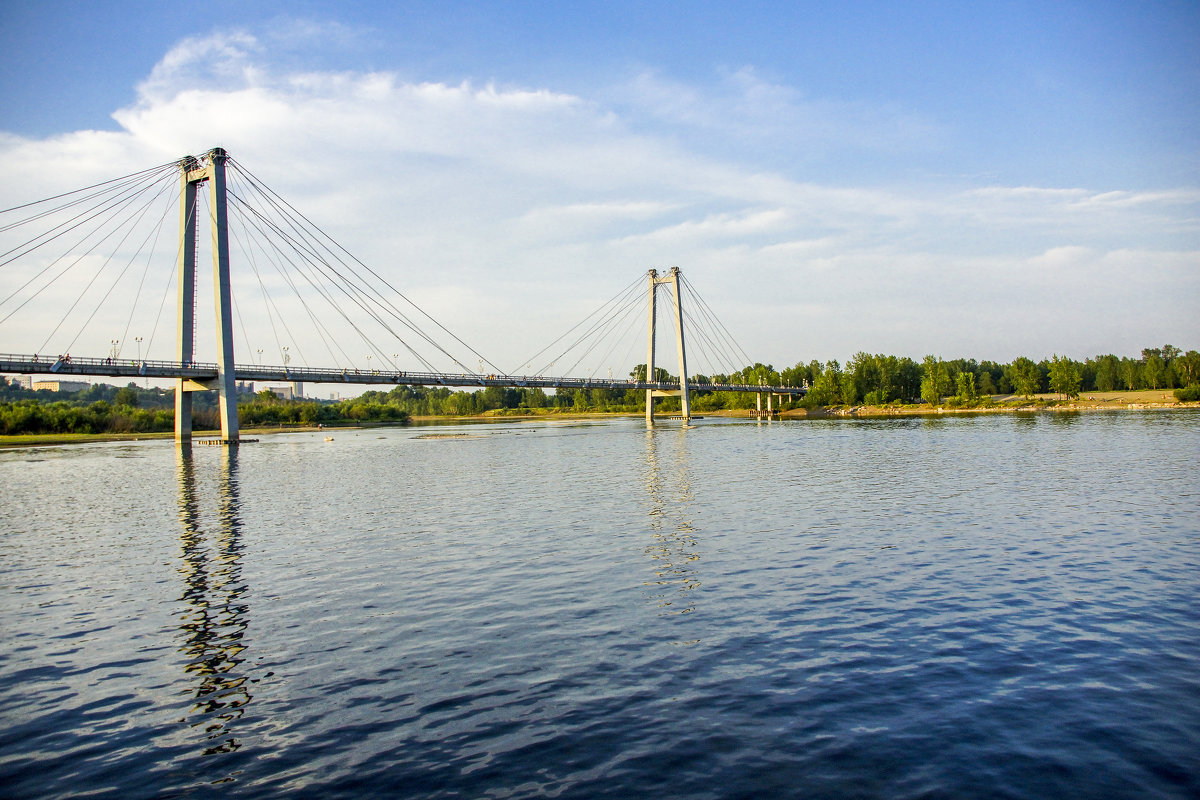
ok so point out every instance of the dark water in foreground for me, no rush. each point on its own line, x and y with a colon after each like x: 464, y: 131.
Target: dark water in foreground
x: 1000, y: 606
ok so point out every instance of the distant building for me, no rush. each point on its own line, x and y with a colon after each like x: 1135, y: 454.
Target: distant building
x: 61, y: 386
x: 24, y: 381
x: 282, y: 392
x: 245, y: 387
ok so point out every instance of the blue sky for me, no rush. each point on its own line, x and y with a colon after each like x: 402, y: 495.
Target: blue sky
x: 985, y: 179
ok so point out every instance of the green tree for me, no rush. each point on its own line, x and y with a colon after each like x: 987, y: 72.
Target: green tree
x: 1131, y: 373
x: 1025, y: 377
x: 827, y: 388
x: 1154, y: 372
x: 126, y: 397
x: 1187, y: 368
x: 936, y: 381
x: 1107, y: 373
x: 966, y: 388
x: 1065, y: 376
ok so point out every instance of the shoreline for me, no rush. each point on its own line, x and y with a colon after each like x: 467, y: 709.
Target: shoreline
x: 1096, y: 401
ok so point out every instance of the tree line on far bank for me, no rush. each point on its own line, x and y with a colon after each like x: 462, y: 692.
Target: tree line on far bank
x: 882, y: 379
x: 864, y: 379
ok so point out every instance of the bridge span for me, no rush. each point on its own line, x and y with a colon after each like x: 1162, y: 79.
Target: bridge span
x: 205, y: 376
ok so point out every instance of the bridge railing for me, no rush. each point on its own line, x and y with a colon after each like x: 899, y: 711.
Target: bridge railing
x: 83, y: 365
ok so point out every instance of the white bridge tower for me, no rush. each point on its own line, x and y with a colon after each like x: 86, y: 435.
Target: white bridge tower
x: 193, y: 172
x: 672, y: 278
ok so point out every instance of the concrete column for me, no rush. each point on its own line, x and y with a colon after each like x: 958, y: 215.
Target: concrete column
x: 226, y: 387
x: 186, y: 305
x: 653, y: 275
x: 683, y: 376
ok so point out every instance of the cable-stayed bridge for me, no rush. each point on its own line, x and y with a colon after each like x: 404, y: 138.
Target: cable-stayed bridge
x: 69, y: 274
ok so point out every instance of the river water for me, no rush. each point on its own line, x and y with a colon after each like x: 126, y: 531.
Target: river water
x: 1000, y: 606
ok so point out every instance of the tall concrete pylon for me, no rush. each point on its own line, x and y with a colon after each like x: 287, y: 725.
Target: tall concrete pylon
x: 672, y: 278
x: 194, y: 172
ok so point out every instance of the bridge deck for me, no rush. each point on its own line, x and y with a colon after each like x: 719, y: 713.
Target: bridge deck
x: 202, y: 372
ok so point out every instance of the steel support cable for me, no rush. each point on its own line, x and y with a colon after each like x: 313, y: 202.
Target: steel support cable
x: 131, y: 222
x: 312, y: 258
x: 616, y: 340
x: 629, y: 358
x: 282, y: 321
x: 320, y: 328
x: 170, y: 281
x: 267, y: 245
x: 723, y: 354
x: 234, y: 296
x: 700, y: 354
x: 598, y: 331
x: 348, y: 287
x: 33, y: 244
x: 711, y: 350
x: 609, y: 324
x: 300, y: 252
x: 629, y: 316
x: 612, y: 306
x: 148, y: 170
x: 710, y: 343
x: 706, y: 331
x: 66, y: 269
x: 721, y: 325
x: 146, y: 271
x: 114, y: 208
x: 724, y: 344
x: 382, y: 301
x: 619, y: 297
x: 65, y: 206
x: 398, y: 293
x: 320, y: 290
x: 267, y: 301
x: 358, y: 298
x: 152, y: 233
x: 237, y: 311
x: 249, y: 253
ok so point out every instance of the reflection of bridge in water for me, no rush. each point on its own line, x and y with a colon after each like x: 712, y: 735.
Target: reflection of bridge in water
x: 674, y: 549
x: 214, y: 619
x: 310, y: 255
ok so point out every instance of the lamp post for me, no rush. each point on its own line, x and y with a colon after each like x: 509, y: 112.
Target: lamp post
x: 260, y: 356
x: 116, y: 348
x: 138, y: 339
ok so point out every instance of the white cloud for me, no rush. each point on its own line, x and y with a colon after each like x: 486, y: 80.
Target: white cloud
x: 511, y: 211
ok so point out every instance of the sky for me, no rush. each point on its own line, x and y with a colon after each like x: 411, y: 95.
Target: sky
x: 984, y: 180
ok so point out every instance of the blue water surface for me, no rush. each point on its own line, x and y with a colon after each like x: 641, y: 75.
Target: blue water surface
x: 1001, y: 606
